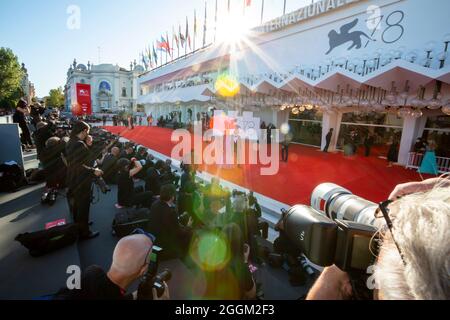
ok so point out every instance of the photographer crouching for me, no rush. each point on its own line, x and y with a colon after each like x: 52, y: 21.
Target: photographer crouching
x: 127, y: 194
x: 80, y: 176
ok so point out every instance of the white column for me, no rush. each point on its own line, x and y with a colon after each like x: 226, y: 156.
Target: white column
x: 412, y: 129
x: 331, y: 120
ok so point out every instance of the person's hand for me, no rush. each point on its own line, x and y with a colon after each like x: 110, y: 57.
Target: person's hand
x: 415, y: 187
x: 246, y: 252
x: 190, y: 222
x: 165, y: 295
x: 98, y: 172
x: 333, y: 284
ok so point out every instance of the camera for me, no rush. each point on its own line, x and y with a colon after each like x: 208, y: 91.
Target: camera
x: 183, y: 219
x: 338, y: 229
x: 100, y: 182
x: 152, y: 279
x: 49, y: 197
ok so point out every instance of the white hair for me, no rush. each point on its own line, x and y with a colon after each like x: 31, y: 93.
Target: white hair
x: 421, y: 229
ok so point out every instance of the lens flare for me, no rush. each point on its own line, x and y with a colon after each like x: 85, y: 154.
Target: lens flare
x: 227, y: 86
x: 285, y: 128
x: 209, y: 250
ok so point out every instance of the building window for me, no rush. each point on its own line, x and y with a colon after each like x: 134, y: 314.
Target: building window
x: 306, y: 127
x: 124, y: 92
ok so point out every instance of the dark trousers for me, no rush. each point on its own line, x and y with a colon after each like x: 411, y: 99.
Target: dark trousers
x: 327, y: 146
x: 367, y: 152
x: 285, y: 154
x: 79, y: 205
x: 26, y: 137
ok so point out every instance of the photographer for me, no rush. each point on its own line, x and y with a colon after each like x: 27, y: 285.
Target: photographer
x: 108, y: 164
x: 41, y: 135
x: 164, y: 224
x: 414, y: 255
x: 233, y: 281
x: 128, y: 153
x: 167, y: 176
x: 36, y: 112
x: 79, y: 178
x: 153, y: 181
x: 130, y: 262
x: 53, y: 164
x: 127, y: 194
x: 19, y: 117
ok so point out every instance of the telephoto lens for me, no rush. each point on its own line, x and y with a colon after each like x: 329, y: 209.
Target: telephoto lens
x: 338, y: 203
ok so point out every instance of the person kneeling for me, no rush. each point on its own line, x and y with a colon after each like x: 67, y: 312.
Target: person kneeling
x: 127, y: 194
x: 172, y: 236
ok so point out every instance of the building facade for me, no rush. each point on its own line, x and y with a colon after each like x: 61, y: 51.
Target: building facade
x: 378, y: 69
x: 113, y: 89
x: 27, y: 87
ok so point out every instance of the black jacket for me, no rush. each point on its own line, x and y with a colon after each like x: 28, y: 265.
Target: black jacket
x: 170, y: 235
x: 95, y: 285
x: 79, y: 172
x: 153, y: 181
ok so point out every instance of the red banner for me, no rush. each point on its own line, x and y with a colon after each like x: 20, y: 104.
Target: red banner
x: 82, y: 105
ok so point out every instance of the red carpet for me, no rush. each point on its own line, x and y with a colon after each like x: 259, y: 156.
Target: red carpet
x: 307, y: 167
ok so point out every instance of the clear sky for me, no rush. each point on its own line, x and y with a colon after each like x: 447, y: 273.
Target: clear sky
x: 116, y: 31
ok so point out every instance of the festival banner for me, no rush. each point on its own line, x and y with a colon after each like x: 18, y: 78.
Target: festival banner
x: 83, y: 104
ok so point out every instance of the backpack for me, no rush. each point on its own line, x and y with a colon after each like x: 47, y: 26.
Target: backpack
x: 46, y: 241
x: 128, y: 220
x: 12, y: 177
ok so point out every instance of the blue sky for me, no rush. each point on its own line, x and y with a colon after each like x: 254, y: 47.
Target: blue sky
x: 38, y: 34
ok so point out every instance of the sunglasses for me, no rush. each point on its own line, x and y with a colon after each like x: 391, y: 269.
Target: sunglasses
x: 383, y: 207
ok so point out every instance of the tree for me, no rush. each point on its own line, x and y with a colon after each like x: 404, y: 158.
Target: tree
x: 11, y: 76
x: 55, y: 98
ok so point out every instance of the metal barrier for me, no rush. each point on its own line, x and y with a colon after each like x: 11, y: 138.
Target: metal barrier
x: 415, y: 160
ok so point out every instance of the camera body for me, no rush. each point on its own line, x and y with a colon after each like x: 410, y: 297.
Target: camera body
x: 338, y: 229
x: 325, y: 242
x: 152, y: 279
x: 102, y: 185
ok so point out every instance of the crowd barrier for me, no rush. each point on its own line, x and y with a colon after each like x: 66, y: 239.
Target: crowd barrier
x: 415, y: 160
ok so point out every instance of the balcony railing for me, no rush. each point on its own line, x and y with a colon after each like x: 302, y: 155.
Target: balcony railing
x: 415, y: 161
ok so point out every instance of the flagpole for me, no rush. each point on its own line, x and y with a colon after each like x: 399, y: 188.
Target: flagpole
x: 215, y: 24
x: 284, y: 8
x: 262, y: 11
x: 229, y: 8
x: 195, y: 28
x: 173, y: 34
x: 186, y: 37
x: 204, y: 26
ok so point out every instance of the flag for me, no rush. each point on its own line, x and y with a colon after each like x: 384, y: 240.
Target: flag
x: 155, y: 55
x: 163, y: 44
x: 149, y: 56
x: 247, y: 3
x: 144, y: 61
x: 188, y: 37
x: 182, y: 37
x: 168, y: 48
x: 175, y: 38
